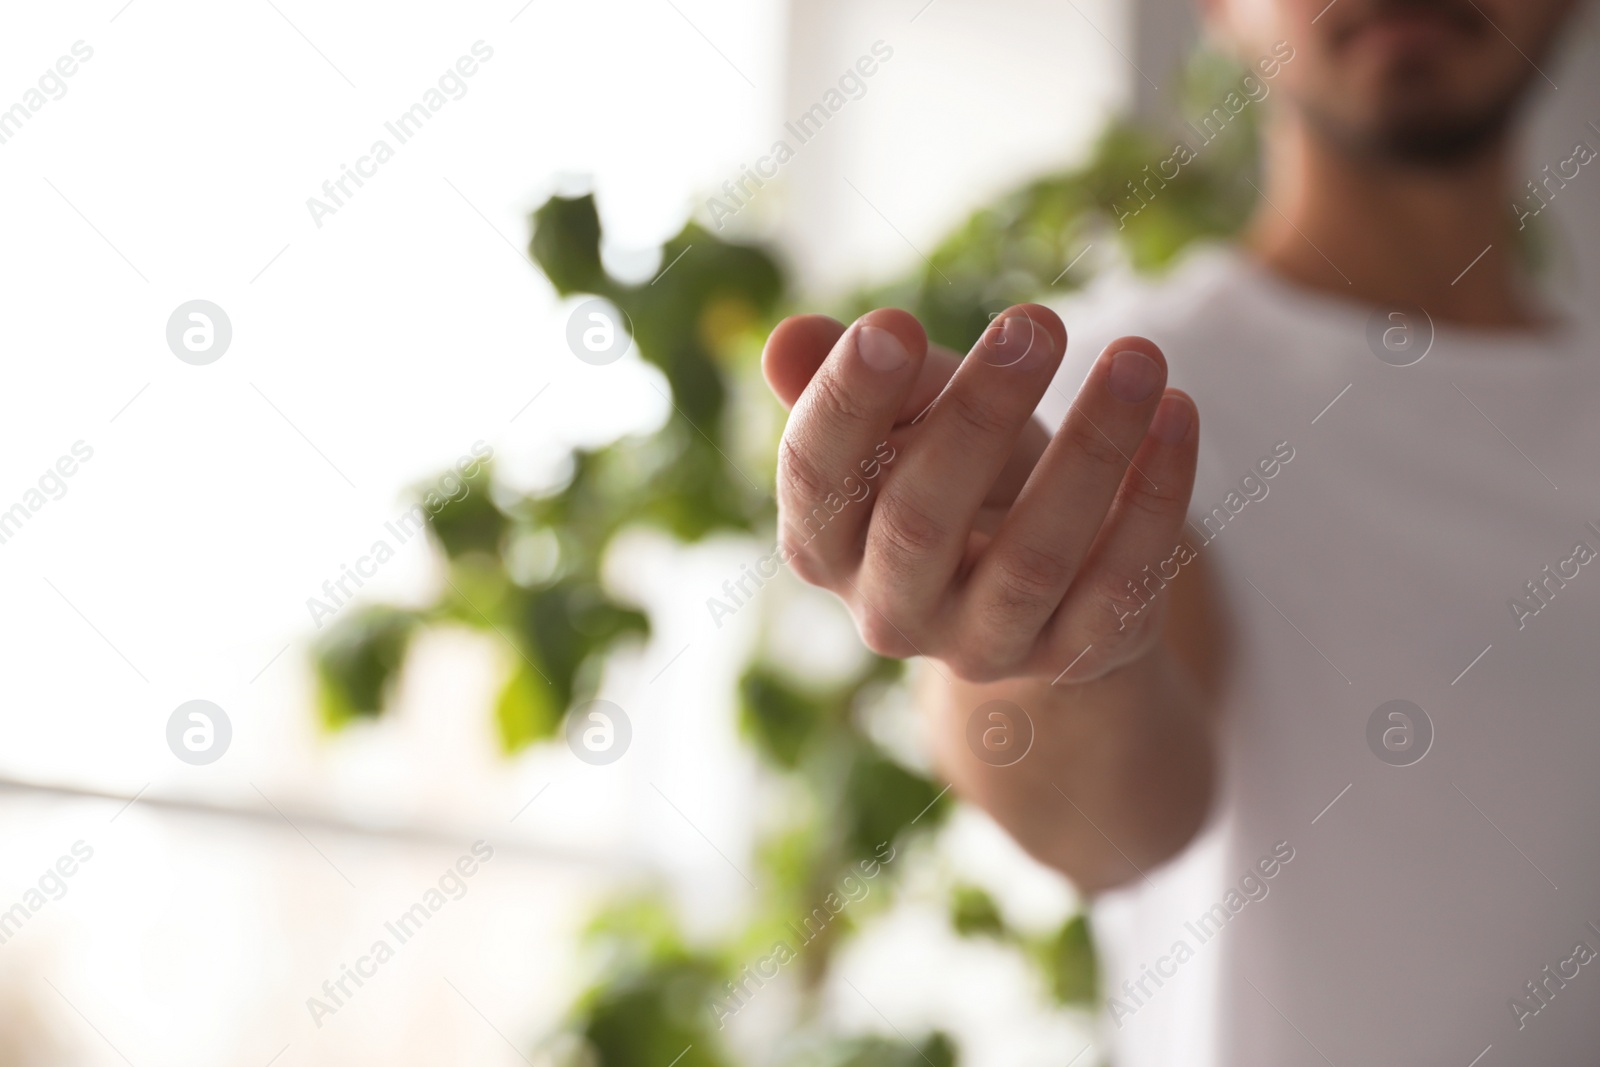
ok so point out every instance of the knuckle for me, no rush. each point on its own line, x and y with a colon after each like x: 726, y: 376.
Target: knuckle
x: 1155, y: 500
x: 803, y: 514
x: 836, y: 400
x: 804, y: 563
x: 880, y: 634
x: 1116, y: 616
x: 1028, y: 578
x: 1114, y: 647
x: 1085, y: 440
x: 973, y: 663
x: 997, y: 652
x: 1121, y: 608
x: 799, y: 473
x: 907, y: 534
x: 980, y: 414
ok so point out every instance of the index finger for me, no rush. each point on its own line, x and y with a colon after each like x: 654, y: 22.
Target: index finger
x: 834, y: 446
x: 797, y: 347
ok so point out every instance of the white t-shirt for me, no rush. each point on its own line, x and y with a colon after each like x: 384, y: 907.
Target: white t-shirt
x: 1408, y: 907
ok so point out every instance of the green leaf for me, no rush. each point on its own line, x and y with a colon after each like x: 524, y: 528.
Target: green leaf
x: 936, y: 1050
x: 882, y: 799
x: 564, y: 626
x: 566, y: 245
x: 526, y: 710
x: 776, y: 715
x: 660, y: 1016
x: 358, y: 663
x: 653, y: 1001
x: 1070, y: 965
x: 974, y: 913
x: 468, y: 522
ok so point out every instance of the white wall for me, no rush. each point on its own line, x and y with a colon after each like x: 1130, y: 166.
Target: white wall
x: 977, y: 98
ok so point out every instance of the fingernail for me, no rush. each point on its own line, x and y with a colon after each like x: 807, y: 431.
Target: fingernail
x: 880, y: 349
x: 1019, y: 338
x: 1172, y: 420
x: 1134, y: 376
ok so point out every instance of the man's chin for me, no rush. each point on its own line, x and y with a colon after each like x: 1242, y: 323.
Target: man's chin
x: 1420, y: 138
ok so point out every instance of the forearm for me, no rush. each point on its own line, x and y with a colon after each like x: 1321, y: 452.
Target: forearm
x: 1119, y: 776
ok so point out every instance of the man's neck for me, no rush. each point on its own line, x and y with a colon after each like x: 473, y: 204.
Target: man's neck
x: 1388, y: 235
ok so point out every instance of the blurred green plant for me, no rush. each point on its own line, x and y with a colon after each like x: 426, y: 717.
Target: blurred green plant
x: 652, y: 995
